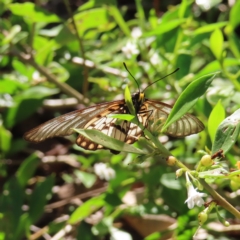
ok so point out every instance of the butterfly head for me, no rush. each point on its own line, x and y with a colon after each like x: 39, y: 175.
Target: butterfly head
x: 138, y: 98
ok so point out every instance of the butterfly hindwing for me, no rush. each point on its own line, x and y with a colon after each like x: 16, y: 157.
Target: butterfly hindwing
x: 186, y: 125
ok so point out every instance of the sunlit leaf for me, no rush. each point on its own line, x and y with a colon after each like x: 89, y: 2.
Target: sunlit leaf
x: 216, y: 117
x: 87, y: 208
x: 216, y: 43
x: 227, y: 133
x: 188, y: 98
x: 33, y: 12
x: 108, y: 142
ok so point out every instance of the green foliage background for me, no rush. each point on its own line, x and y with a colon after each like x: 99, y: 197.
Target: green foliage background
x: 51, y: 65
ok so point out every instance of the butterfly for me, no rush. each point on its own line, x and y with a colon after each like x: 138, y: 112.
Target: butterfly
x: 96, y: 117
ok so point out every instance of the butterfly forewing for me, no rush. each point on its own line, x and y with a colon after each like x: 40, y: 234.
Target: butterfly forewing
x: 63, y: 125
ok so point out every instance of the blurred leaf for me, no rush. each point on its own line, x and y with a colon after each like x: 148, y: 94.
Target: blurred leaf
x: 88, y: 179
x: 23, y: 224
x: 184, y: 8
x: 92, y: 21
x: 87, y: 208
x: 33, y: 12
x: 163, y: 27
x: 27, y: 169
x: 116, y: 14
x: 216, y: 43
x: 11, y: 202
x: 169, y: 180
x: 188, y: 98
x: 234, y: 15
x: 45, y: 49
x: 5, y: 140
x: 153, y: 236
x: 38, y: 199
x: 210, y: 27
x: 184, y: 63
x: 65, y: 35
x: 11, y: 34
x: 26, y: 103
x: 216, y: 117
x: 85, y: 229
x: 113, y: 199
x: 23, y: 69
x: 227, y: 133
x: 108, y: 142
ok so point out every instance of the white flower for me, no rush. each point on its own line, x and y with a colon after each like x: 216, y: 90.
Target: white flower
x: 194, y: 197
x: 103, y: 171
x: 204, y: 4
x: 155, y: 59
x: 130, y: 49
x: 136, y: 32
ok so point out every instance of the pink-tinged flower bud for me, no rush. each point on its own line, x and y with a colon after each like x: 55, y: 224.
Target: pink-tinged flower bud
x: 171, y: 161
x: 206, y: 161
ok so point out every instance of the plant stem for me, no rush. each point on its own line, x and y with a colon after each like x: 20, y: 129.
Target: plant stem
x: 44, y: 71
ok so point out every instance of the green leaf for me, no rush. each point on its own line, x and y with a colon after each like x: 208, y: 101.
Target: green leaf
x: 163, y: 28
x: 169, y: 180
x: 227, y: 133
x: 26, y: 103
x: 33, y: 12
x: 12, y: 202
x: 5, y: 140
x: 116, y: 14
x: 216, y: 43
x: 128, y: 100
x: 210, y: 27
x: 88, y: 179
x: 9, y: 86
x: 127, y: 117
x: 39, y: 199
x: 188, y: 98
x: 234, y: 15
x: 108, y: 142
x: 87, y: 209
x: 11, y: 34
x: 91, y: 22
x: 216, y: 117
x: 27, y: 169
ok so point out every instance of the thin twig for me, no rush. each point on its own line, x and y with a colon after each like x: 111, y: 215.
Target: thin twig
x: 81, y: 47
x: 80, y: 196
x: 106, y: 69
x: 44, y: 71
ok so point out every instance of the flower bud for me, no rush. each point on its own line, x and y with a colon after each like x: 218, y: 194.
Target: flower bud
x: 202, y: 217
x: 226, y: 223
x: 179, y: 172
x: 171, y: 161
x: 234, y: 185
x: 206, y: 161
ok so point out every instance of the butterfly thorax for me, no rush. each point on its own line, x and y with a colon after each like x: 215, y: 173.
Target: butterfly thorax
x: 138, y: 100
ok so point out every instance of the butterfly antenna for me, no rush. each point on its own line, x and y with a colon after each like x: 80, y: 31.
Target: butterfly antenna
x: 161, y: 79
x: 132, y: 76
